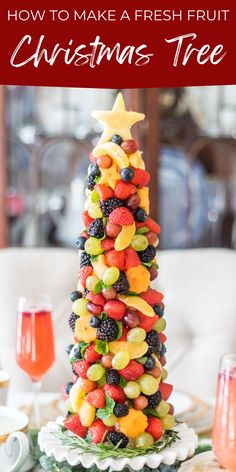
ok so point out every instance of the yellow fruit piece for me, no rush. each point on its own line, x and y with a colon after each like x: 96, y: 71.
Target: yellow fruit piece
x: 99, y: 266
x: 144, y: 198
x: 94, y: 210
x: 87, y: 413
x: 114, y: 151
x: 83, y: 330
x: 133, y: 424
x: 138, y: 303
x: 136, y: 160
x: 138, y: 278
x: 135, y: 350
x: 124, y: 238
x: 109, y: 176
x: 76, y: 396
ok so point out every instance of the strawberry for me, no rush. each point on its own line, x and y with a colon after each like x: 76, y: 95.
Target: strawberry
x: 121, y: 216
x: 123, y: 190
x: 116, y: 259
x: 132, y: 371
x: 107, y: 244
x: 84, y: 273
x: 141, y: 178
x: 104, y: 191
x: 162, y: 338
x: 115, y: 392
x: 98, y: 431
x: 115, y: 309
x: 86, y: 218
x: 96, y: 299
x: 166, y: 390
x: 152, y: 296
x: 91, y: 355
x: 97, y: 398
x: 147, y: 322
x: 131, y: 258
x: 154, y: 427
x: 81, y: 367
x: 73, y: 423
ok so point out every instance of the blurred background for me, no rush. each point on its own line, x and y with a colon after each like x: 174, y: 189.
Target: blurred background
x: 189, y: 145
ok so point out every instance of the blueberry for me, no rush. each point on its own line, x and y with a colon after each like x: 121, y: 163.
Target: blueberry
x: 158, y: 310
x: 77, y: 353
x: 140, y: 215
x: 127, y: 174
x: 163, y: 350
x: 150, y: 363
x: 117, y: 139
x: 68, y: 387
x: 94, y: 169
x: 81, y: 242
x: 94, y: 322
x: 68, y: 349
x: 75, y: 295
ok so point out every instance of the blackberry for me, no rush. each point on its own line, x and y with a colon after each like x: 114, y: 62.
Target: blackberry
x: 113, y: 377
x: 96, y: 229
x: 81, y: 242
x: 85, y: 260
x: 148, y: 254
x: 154, y: 400
x: 120, y: 409
x: 72, y: 321
x: 68, y: 349
x: 117, y: 139
x: 91, y: 181
x: 75, y: 295
x: 107, y: 331
x: 94, y: 322
x: 110, y: 204
x: 68, y: 387
x: 117, y: 438
x: 153, y: 341
x: 122, y: 284
x: 150, y: 363
x: 94, y: 169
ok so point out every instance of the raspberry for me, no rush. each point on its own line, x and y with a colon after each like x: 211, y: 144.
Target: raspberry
x: 86, y: 218
x: 104, y: 192
x: 121, y: 216
x: 162, y: 338
x: 97, y: 398
x: 131, y: 258
x: 115, y: 392
x: 109, y: 205
x: 113, y: 377
x: 96, y: 299
x: 118, y: 438
x: 123, y: 190
x: 152, y: 296
x: 153, y: 341
x: 107, y: 244
x: 80, y: 368
x: 107, y: 331
x: 96, y: 229
x: 154, y: 428
x: 116, y: 259
x: 84, y: 273
x: 98, y: 431
x: 73, y: 423
x: 72, y: 321
x: 132, y: 371
x: 91, y: 355
x: 154, y: 400
x: 122, y: 284
x: 141, y: 178
x: 120, y: 409
x: 147, y: 322
x: 115, y: 309
x: 85, y: 259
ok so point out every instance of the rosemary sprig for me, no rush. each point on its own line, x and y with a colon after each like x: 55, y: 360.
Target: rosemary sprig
x: 103, y: 451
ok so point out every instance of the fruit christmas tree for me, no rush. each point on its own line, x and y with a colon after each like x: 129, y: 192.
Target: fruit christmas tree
x: 119, y: 394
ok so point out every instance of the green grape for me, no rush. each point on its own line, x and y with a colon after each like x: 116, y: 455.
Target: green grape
x: 94, y: 196
x: 139, y: 242
x: 164, y: 374
x: 148, y: 384
x: 120, y: 360
x: 79, y: 307
x: 95, y: 372
x: 168, y: 422
x: 110, y: 421
x: 162, y: 409
x: 91, y: 282
x: 144, y: 440
x: 160, y: 325
x: 93, y: 246
x: 68, y: 406
x: 136, y: 335
x: 94, y: 210
x: 111, y: 275
x: 132, y: 390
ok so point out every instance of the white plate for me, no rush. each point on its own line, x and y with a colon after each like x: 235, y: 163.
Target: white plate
x: 181, y: 401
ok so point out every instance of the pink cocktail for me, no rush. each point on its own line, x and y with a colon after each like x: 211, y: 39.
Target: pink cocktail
x: 224, y: 427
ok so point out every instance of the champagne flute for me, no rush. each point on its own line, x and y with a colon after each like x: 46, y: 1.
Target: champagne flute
x: 224, y: 427
x: 35, y: 343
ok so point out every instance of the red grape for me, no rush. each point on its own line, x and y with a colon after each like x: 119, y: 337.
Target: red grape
x: 112, y: 230
x: 130, y: 146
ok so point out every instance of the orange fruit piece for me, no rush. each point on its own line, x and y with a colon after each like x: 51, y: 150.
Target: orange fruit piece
x: 133, y: 424
x: 138, y: 278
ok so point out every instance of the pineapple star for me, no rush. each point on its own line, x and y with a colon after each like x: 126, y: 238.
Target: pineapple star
x: 109, y: 176
x: 118, y: 120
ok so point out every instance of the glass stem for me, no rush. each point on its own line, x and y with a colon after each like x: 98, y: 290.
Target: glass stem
x: 36, y: 404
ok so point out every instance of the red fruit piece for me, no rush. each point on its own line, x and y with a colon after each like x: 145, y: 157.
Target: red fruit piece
x: 123, y: 190
x: 97, y: 398
x: 107, y: 244
x: 73, y: 423
x: 154, y: 427
x: 91, y: 355
x: 104, y: 191
x: 115, y: 309
x: 96, y: 299
x: 121, y: 216
x: 86, y: 218
x: 152, y: 296
x: 98, y: 431
x: 115, y: 392
x: 116, y: 259
x: 84, y: 273
x: 141, y: 178
x: 130, y: 146
x: 147, y: 322
x: 131, y: 258
x: 152, y: 225
x: 133, y: 371
x: 162, y: 338
x: 166, y: 390
x: 81, y: 367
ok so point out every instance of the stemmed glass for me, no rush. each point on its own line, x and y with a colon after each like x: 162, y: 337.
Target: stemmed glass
x: 35, y: 343
x: 224, y: 427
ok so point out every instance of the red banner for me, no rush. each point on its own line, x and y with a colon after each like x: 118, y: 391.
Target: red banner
x: 121, y: 44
